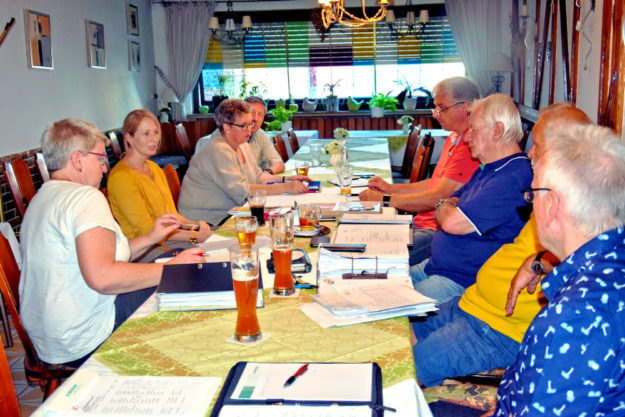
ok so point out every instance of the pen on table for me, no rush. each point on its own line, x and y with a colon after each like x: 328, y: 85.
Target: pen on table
x: 301, y: 371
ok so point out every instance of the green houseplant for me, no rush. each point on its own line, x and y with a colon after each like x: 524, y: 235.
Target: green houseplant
x: 281, y: 116
x: 382, y: 102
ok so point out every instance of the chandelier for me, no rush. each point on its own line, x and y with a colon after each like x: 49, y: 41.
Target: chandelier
x: 334, y: 11
x: 411, y: 27
x: 230, y: 34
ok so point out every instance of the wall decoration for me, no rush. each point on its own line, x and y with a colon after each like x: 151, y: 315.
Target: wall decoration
x: 132, y: 19
x: 134, y: 56
x: 96, y: 57
x: 38, y: 40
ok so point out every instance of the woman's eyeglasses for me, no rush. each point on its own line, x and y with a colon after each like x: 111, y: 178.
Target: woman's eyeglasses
x: 243, y: 126
x: 101, y: 157
x: 529, y: 194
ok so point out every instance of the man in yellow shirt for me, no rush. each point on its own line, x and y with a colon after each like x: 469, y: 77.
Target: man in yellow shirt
x: 474, y: 333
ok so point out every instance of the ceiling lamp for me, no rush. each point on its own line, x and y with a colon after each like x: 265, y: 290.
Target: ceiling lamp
x: 334, y: 11
x: 230, y: 34
x: 411, y: 27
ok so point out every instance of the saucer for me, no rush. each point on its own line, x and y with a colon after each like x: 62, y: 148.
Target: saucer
x: 320, y: 230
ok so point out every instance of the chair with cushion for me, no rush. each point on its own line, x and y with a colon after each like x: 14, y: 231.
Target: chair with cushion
x: 293, y: 141
x: 280, y: 146
x: 20, y: 182
x: 42, y: 167
x: 173, y: 181
x: 180, y: 160
x: 183, y: 140
x: 422, y: 159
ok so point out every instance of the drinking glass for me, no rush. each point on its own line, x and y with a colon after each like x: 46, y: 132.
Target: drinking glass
x: 256, y: 200
x: 315, y: 154
x: 344, y: 174
x: 246, y: 230
x: 244, y: 265
x: 309, y: 215
x: 302, y: 167
x: 282, y: 245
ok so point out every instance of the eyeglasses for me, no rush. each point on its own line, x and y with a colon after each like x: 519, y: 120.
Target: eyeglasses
x: 444, y: 109
x: 243, y: 126
x: 529, y: 194
x: 101, y: 157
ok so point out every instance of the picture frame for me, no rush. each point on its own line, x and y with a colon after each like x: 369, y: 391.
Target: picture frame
x: 38, y: 40
x: 132, y: 19
x: 96, y: 53
x: 134, y: 56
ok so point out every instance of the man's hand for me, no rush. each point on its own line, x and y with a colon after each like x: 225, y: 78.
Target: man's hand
x: 378, y: 184
x: 296, y: 187
x: 370, y: 195
x: 298, y: 178
x: 524, y: 278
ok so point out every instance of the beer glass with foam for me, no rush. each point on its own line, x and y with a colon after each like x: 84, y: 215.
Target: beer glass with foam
x: 282, y: 245
x: 244, y: 265
x: 246, y: 230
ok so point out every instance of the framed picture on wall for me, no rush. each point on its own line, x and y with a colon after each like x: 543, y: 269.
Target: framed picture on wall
x: 38, y: 40
x: 134, y: 56
x: 132, y: 19
x: 96, y: 57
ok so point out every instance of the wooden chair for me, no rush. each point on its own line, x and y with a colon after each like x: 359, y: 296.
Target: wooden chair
x: 12, y: 270
x: 183, y: 140
x: 48, y: 376
x: 411, y: 149
x: 115, y: 144
x: 293, y: 141
x: 20, y: 182
x: 422, y: 159
x: 9, y: 406
x: 173, y: 181
x: 42, y: 167
x: 280, y: 146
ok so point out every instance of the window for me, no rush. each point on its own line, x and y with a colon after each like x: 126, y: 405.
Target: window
x: 289, y: 59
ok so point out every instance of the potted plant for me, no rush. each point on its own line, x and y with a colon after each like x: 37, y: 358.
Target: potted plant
x: 381, y: 102
x: 220, y: 93
x: 248, y: 89
x: 281, y: 118
x: 408, y: 101
x: 405, y: 121
x: 332, y: 101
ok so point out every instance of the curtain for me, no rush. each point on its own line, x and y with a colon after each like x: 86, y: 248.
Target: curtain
x: 187, y: 41
x: 476, y: 25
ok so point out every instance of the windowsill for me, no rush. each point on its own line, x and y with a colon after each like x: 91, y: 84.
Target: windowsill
x: 363, y: 113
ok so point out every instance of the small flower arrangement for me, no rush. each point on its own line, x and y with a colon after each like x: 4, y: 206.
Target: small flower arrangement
x: 334, y: 147
x: 332, y: 86
x: 341, y: 133
x: 405, y: 120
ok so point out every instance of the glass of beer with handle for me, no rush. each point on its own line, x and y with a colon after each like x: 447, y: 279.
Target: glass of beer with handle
x: 256, y: 200
x: 246, y: 230
x: 282, y: 245
x: 244, y: 265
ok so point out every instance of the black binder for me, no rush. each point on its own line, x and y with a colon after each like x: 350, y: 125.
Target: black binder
x: 225, y: 396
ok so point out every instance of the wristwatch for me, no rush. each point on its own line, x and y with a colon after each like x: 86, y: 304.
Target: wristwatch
x: 537, y: 267
x: 386, y: 200
x: 269, y: 170
x: 444, y: 200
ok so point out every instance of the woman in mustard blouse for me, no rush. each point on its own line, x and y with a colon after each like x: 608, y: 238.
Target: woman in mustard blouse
x: 137, y: 187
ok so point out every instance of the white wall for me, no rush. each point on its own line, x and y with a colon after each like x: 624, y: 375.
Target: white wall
x: 33, y: 98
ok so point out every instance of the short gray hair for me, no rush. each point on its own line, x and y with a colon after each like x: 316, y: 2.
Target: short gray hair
x: 586, y: 165
x: 501, y: 108
x: 227, y: 111
x: 460, y: 88
x: 62, y: 138
x: 256, y: 100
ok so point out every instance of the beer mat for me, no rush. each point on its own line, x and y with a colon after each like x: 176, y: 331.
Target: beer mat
x: 294, y: 295
x: 320, y: 230
x: 263, y: 337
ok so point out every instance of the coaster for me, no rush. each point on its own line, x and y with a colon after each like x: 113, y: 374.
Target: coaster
x: 263, y: 337
x: 294, y: 295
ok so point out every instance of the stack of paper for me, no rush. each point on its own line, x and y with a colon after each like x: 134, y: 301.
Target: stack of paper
x: 368, y: 218
x: 198, y: 287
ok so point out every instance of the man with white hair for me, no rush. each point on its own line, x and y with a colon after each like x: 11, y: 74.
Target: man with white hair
x: 486, y: 212
x: 572, y: 359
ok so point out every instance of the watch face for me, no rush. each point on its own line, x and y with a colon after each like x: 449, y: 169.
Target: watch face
x: 537, y: 267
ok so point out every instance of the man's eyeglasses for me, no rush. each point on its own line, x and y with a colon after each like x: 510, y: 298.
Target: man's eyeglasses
x: 444, y: 109
x: 243, y: 126
x: 530, y: 193
x: 101, y: 157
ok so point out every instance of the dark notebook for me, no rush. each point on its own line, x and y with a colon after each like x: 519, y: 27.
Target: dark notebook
x: 206, y: 286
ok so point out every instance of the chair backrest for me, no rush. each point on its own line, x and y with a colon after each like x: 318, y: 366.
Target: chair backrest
x: 20, y: 183
x: 183, y: 140
x: 293, y: 140
x: 411, y: 149
x: 422, y: 159
x: 8, y: 397
x: 173, y: 181
x: 280, y: 146
x: 11, y: 270
x: 115, y: 145
x: 42, y: 167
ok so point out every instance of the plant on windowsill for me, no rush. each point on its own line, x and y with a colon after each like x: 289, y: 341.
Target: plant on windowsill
x: 332, y: 101
x: 381, y: 102
x: 408, y: 101
x: 281, y: 117
x: 220, y: 93
x: 249, y: 89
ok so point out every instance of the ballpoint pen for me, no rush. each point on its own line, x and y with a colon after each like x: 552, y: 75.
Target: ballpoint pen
x: 301, y: 371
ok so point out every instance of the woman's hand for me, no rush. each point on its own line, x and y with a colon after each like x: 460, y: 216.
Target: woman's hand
x: 298, y: 178
x: 163, y: 226
x: 370, y: 195
x: 378, y: 184
x: 296, y: 187
x: 189, y: 256
x: 204, y: 231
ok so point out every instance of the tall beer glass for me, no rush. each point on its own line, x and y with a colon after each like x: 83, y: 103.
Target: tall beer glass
x: 282, y: 245
x: 246, y: 230
x: 245, y: 267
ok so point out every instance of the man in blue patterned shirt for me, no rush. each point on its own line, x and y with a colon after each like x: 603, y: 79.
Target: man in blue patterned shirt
x: 572, y: 359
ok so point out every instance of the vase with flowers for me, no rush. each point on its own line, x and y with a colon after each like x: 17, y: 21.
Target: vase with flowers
x: 337, y: 149
x: 405, y: 122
